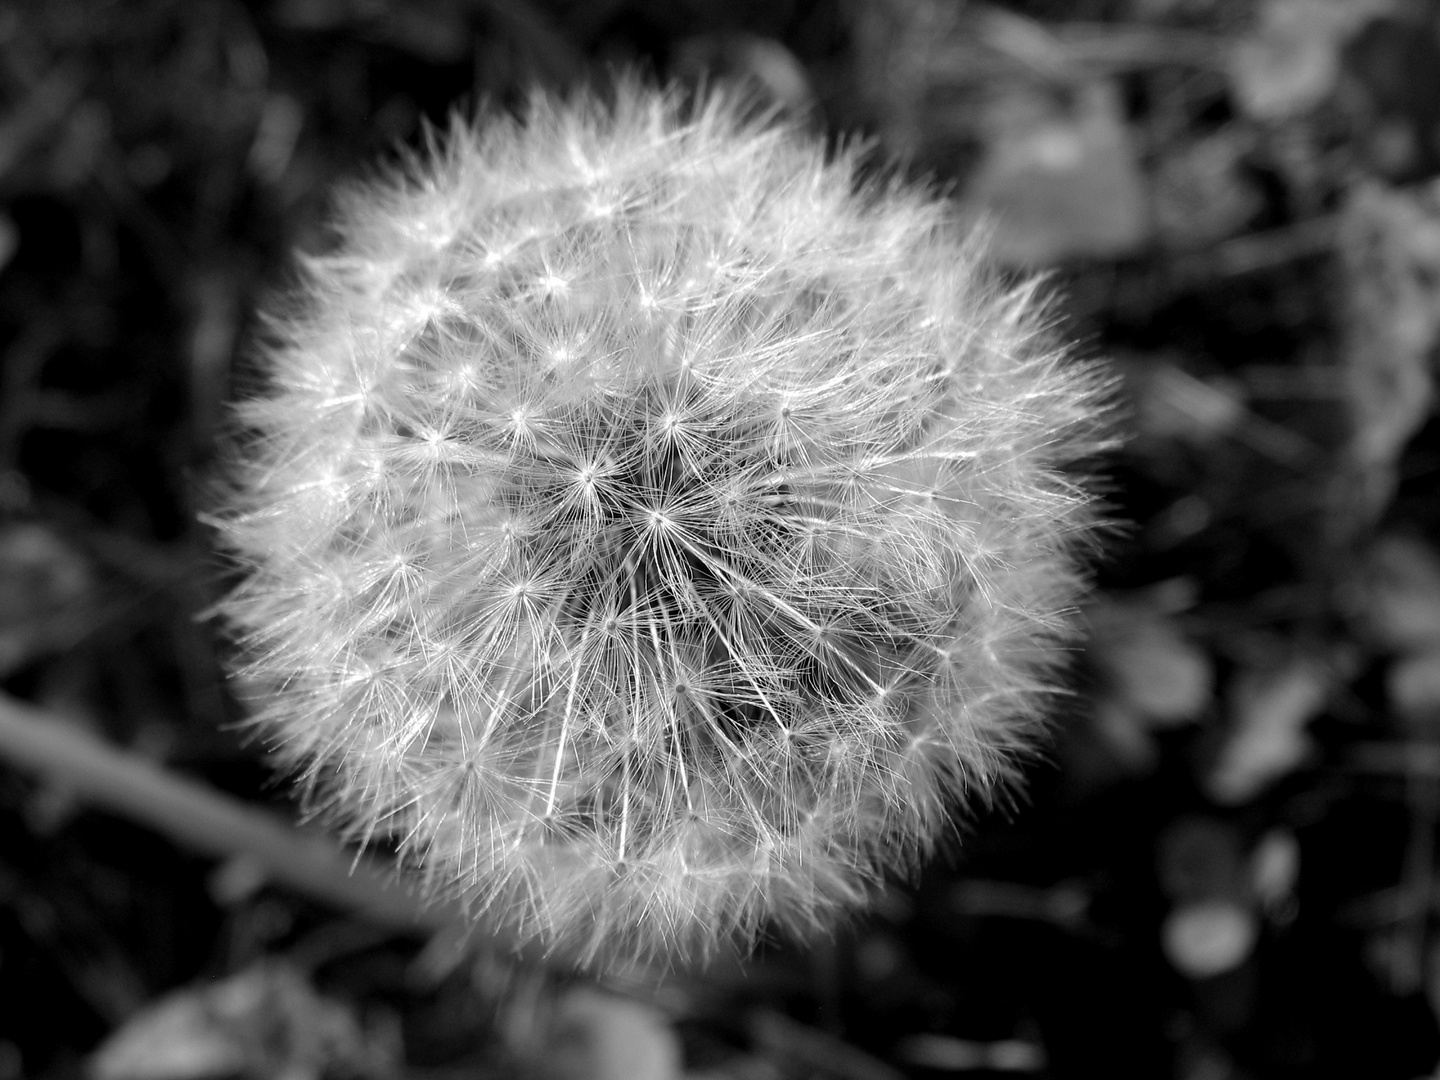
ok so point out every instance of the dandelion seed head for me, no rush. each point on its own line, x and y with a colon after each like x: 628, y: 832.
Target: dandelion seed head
x: 653, y: 531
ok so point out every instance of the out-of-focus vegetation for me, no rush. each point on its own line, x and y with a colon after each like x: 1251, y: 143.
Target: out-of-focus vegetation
x: 1227, y: 867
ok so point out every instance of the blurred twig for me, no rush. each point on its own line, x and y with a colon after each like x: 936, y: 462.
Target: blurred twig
x: 208, y: 821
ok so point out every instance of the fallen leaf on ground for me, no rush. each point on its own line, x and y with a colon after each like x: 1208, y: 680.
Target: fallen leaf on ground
x: 1208, y: 938
x: 1061, y: 182
x: 1290, y: 61
x: 1270, y: 709
x: 265, y: 1023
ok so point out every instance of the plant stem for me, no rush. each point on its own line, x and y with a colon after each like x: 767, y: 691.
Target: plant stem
x: 202, y: 819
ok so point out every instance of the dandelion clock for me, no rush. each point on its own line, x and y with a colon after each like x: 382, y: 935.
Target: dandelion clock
x: 653, y: 530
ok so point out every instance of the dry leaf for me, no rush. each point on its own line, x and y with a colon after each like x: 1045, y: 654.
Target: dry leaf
x: 601, y: 1036
x: 1270, y: 709
x: 1290, y: 62
x: 1202, y: 194
x: 1402, y: 598
x: 1413, y: 687
x: 265, y: 1023
x: 1275, y: 870
x: 1209, y: 937
x: 1149, y: 666
x: 1061, y: 182
x: 1389, y: 241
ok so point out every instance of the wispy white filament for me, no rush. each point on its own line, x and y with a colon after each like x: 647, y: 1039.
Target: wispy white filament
x: 651, y: 528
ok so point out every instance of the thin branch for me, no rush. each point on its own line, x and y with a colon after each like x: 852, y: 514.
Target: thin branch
x: 202, y: 819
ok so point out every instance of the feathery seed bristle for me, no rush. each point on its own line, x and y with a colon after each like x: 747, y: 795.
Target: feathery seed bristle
x: 650, y: 529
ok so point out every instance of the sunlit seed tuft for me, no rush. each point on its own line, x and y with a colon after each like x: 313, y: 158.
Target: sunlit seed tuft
x: 652, y: 530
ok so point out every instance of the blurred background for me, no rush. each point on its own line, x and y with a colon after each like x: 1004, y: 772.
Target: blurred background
x: 1224, y: 868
